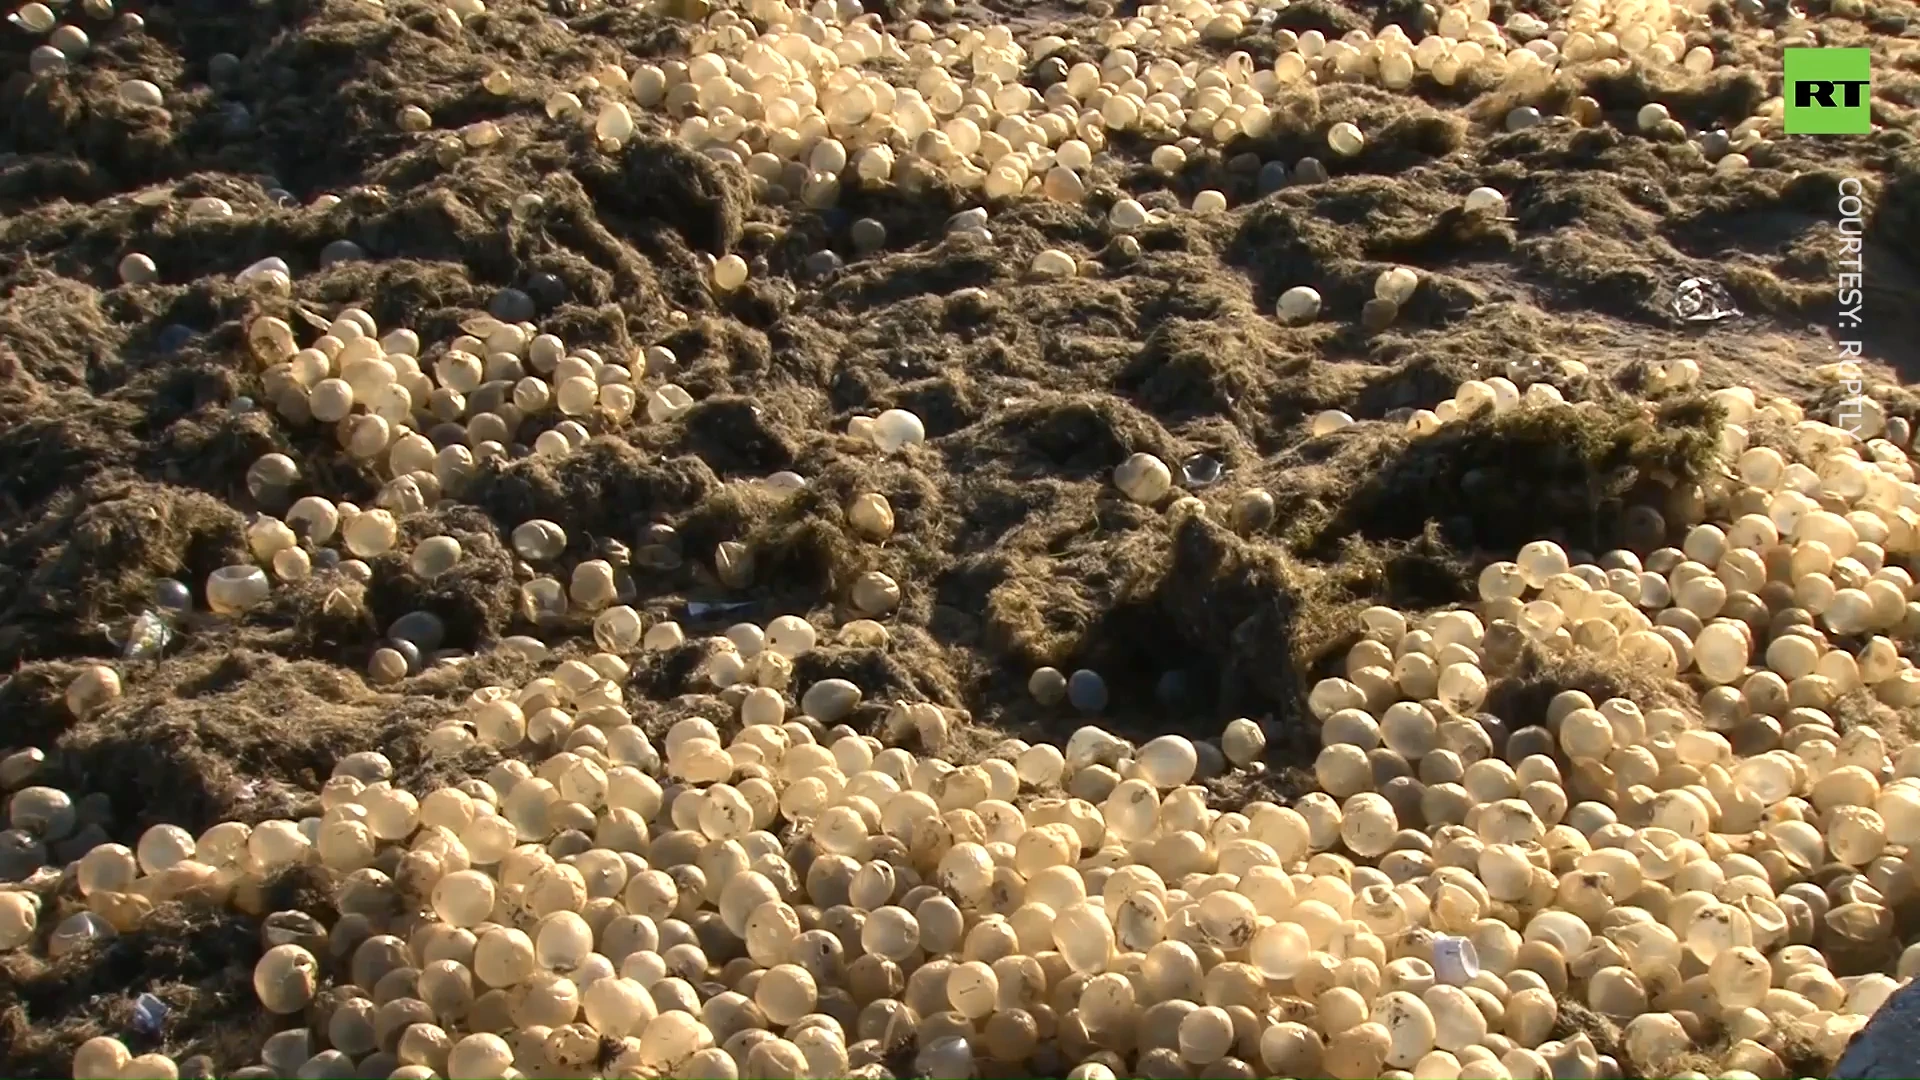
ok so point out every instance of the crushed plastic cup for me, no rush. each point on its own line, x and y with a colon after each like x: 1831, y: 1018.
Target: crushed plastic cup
x: 700, y: 609
x: 1455, y: 960
x: 272, y: 264
x: 149, y: 1013
x: 1703, y: 300
x: 1200, y: 470
x: 146, y: 638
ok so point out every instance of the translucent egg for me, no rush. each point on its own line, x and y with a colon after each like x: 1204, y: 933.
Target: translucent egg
x: 1396, y: 286
x: 285, y: 979
x: 729, y: 272
x: 34, y: 18
x: 503, y: 957
x: 1084, y: 936
x: 1486, y: 200
x: 482, y: 1056
x: 1328, y: 422
x: 20, y: 916
x: 786, y: 993
x: 232, y: 590
x: 464, y: 898
x: 1209, y: 202
x: 45, y: 59
x: 138, y: 268
x: 871, y: 516
x: 592, y: 586
x: 791, y: 636
x: 95, y: 687
x: 1127, y: 214
x: 1720, y: 653
x: 617, y: 1007
x: 1345, y: 139
x: 1054, y: 263
x: 435, y: 556
x: 370, y: 533
x: 613, y: 123
x: 539, y: 540
x: 163, y: 847
x: 1087, y: 691
x: 1062, y: 184
x: 1299, y: 304
x: 874, y: 593
x: 1206, y: 1035
x: 1143, y: 478
x: 1244, y: 742
x: 896, y: 429
x: 71, y: 40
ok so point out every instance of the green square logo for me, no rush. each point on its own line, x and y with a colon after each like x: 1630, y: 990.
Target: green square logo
x: 1826, y: 92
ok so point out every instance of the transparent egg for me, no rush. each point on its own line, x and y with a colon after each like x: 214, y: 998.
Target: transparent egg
x: 1345, y: 139
x: 729, y: 272
x: 1299, y: 304
x: 285, y: 979
x: 896, y: 429
x: 1486, y: 200
x: 163, y: 847
x: 1055, y: 264
x: 20, y: 917
x: 1143, y: 478
x: 1168, y: 761
x: 1127, y: 214
x: 139, y: 268
x: 1329, y: 421
x: 874, y: 593
x: 1084, y: 936
x: 435, y: 556
x: 1243, y: 742
x: 95, y: 687
x: 370, y: 533
x: 871, y: 516
x: 35, y: 18
x: 1396, y: 286
x: 1206, y: 1035
x: 891, y: 932
x: 539, y: 540
x: 232, y: 590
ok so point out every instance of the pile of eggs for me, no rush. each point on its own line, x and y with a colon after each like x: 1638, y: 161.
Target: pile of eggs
x: 767, y: 892
x: 378, y: 400
x: 807, y: 100
x: 770, y: 893
x: 787, y: 94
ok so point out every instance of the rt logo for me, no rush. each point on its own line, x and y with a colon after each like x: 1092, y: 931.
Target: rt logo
x: 1827, y: 92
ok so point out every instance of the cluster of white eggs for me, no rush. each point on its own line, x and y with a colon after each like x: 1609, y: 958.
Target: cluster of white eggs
x: 69, y: 43
x: 423, y: 432
x: 763, y: 891
x: 785, y: 92
x: 808, y: 100
x: 486, y: 382
x: 1524, y: 386
x: 769, y: 893
x: 473, y: 408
